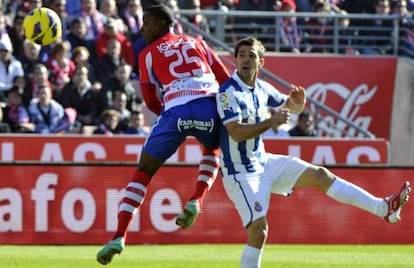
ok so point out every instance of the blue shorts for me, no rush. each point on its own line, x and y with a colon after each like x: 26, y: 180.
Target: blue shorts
x: 197, y: 118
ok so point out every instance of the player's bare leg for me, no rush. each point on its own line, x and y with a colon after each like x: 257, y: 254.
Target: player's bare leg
x: 208, y: 170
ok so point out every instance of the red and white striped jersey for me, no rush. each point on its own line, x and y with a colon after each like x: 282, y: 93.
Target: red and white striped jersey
x: 180, y: 66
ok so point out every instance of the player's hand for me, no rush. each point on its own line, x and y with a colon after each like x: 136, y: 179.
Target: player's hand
x: 297, y: 98
x: 280, y: 116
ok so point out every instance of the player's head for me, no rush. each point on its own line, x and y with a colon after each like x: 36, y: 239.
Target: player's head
x: 249, y: 58
x: 250, y: 42
x: 158, y: 20
x: 306, y: 122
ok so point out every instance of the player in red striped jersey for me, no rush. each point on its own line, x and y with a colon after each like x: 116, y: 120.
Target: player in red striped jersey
x: 187, y: 73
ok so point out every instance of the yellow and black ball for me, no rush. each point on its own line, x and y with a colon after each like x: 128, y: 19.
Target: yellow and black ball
x: 42, y: 26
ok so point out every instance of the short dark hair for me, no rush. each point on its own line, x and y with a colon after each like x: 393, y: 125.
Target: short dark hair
x: 305, y: 114
x: 161, y: 12
x: 250, y: 41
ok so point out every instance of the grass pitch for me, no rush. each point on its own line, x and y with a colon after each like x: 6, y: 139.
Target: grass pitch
x: 210, y: 256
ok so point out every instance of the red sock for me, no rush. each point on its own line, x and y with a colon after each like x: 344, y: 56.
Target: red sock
x: 207, y: 174
x: 200, y: 192
x: 138, y: 186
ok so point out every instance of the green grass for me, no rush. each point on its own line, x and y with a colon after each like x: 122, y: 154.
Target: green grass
x: 210, y: 256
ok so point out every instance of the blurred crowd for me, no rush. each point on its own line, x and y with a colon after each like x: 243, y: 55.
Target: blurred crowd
x: 300, y: 34
x: 87, y: 82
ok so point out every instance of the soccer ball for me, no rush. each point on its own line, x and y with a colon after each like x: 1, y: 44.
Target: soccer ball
x: 42, y: 26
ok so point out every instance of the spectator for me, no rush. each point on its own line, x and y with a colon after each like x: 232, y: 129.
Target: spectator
x: 39, y: 78
x: 119, y: 101
x: 16, y: 34
x: 9, y: 67
x: 60, y: 66
x: 80, y: 57
x: 347, y: 35
x: 108, y: 122
x: 29, y: 58
x: 59, y: 6
x: 132, y: 17
x: 199, y: 20
x: 399, y: 7
x: 46, y: 114
x: 94, y: 20
x: 9, y: 8
x: 27, y: 5
x: 136, y: 125
x: 305, y: 126
x: 221, y: 5
x: 109, y: 10
x: 319, y: 31
x: 77, y: 37
x: 16, y: 114
x: 288, y: 29
x: 173, y: 5
x: 377, y: 39
x: 406, y: 35
x: 121, y: 82
x: 112, y: 32
x: 106, y: 66
x: 78, y: 94
x: 19, y: 81
x: 4, y: 35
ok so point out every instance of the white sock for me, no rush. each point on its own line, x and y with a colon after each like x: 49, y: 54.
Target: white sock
x: 251, y: 257
x: 348, y: 193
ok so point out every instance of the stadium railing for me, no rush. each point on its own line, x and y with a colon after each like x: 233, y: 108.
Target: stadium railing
x: 232, y: 25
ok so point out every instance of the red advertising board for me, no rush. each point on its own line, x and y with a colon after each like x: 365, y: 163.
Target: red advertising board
x: 77, y: 204
x: 360, y: 89
x: 127, y: 149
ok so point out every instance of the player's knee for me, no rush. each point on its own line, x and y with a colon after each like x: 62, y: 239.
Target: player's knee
x: 325, y: 177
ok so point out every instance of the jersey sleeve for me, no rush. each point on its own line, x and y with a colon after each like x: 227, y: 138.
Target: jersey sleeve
x: 227, y: 106
x: 276, y: 98
x: 144, y: 77
x: 151, y: 99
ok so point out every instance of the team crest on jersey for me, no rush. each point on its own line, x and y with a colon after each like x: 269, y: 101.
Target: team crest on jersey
x: 258, y: 207
x: 224, y: 101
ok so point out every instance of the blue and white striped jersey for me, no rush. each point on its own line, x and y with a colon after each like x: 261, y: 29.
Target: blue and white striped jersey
x: 237, y: 101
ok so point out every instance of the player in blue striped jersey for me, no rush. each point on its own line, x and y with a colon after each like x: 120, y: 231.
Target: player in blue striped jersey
x: 250, y: 174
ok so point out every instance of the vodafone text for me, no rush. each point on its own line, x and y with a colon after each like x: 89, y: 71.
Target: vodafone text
x: 163, y: 202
